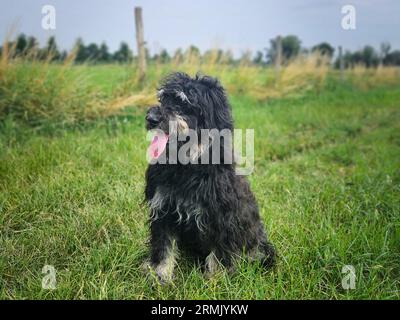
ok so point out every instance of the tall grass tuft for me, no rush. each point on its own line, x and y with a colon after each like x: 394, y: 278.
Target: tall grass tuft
x: 36, y: 92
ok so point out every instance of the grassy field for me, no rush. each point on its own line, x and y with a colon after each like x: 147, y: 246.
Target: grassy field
x: 326, y: 179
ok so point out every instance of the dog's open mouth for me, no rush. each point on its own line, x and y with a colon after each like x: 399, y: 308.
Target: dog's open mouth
x: 158, y: 144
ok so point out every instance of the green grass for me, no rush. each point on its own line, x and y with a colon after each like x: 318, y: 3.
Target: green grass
x: 326, y: 178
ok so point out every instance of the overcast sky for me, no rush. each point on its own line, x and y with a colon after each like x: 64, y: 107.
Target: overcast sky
x: 238, y: 25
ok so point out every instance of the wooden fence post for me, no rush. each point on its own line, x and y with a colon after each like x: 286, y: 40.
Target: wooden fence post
x: 140, y: 44
x: 341, y: 63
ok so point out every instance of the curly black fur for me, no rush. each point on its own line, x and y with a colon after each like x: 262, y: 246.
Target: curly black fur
x: 201, y: 208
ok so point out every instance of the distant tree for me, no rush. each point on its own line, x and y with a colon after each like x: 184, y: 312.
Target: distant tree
x: 192, y: 51
x: 357, y: 58
x: 324, y: 49
x: 259, y: 58
x: 164, y: 56
x: 155, y: 57
x: 347, y: 59
x: 220, y: 55
x: 32, y: 44
x: 81, y: 53
x: 124, y: 54
x: 291, y: 46
x: 21, y: 44
x: 51, y: 49
x: 93, y: 52
x: 103, y: 54
x: 63, y: 55
x: 392, y: 58
x: 385, y: 50
x: 369, y: 57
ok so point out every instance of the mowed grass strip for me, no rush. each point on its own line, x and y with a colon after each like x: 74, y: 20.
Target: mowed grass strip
x: 326, y: 178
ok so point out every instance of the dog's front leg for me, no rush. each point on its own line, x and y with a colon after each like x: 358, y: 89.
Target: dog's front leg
x: 163, y: 252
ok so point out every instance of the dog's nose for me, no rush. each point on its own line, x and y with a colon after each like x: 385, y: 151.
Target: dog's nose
x: 153, y: 117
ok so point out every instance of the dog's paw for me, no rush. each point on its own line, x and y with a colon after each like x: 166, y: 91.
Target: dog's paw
x: 146, y: 266
x: 158, y: 274
x: 164, y: 281
x: 163, y: 277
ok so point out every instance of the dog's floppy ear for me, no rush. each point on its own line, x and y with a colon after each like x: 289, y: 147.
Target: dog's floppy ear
x: 217, y: 103
x: 221, y: 108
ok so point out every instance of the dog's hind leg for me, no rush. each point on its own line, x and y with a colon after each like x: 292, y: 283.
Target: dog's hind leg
x: 269, y: 255
x: 264, y: 253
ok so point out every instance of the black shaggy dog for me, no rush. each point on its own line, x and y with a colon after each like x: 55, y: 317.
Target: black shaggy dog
x: 205, y: 210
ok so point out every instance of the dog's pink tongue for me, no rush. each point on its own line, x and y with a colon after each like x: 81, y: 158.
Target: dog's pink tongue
x: 158, y: 145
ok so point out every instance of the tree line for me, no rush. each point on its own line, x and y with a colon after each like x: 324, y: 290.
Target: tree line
x: 291, y: 47
x: 368, y: 55
x: 29, y: 47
